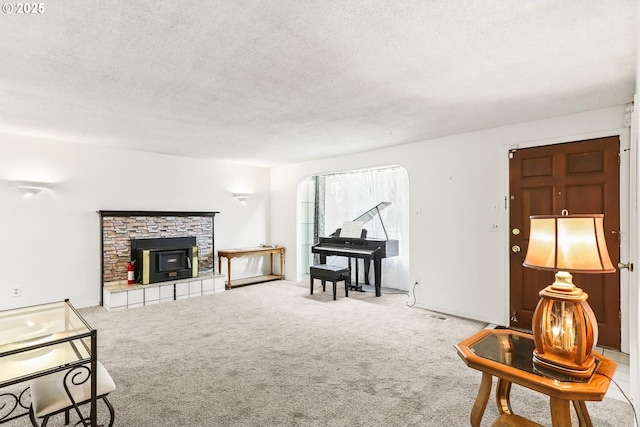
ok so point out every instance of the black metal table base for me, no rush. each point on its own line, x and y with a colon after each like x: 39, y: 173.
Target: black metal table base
x: 11, y: 405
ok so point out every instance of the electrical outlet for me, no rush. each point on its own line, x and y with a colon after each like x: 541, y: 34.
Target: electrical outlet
x: 16, y: 291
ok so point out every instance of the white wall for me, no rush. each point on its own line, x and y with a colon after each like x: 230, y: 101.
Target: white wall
x: 634, y: 291
x: 635, y: 227
x: 456, y: 182
x: 50, y: 243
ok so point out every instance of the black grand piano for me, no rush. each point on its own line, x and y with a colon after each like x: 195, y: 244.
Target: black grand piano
x: 360, y: 248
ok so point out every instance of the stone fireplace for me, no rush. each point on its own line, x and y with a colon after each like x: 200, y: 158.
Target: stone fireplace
x: 185, y: 268
x: 179, y: 247
x: 120, y: 227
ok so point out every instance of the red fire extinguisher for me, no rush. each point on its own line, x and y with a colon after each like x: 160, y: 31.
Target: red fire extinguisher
x: 130, y: 273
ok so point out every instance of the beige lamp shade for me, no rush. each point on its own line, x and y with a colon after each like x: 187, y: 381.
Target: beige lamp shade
x: 572, y: 243
x: 565, y: 330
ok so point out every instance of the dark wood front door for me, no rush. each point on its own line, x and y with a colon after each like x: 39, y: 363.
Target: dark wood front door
x: 581, y: 177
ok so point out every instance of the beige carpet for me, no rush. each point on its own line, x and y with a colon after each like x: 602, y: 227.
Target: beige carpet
x: 272, y: 355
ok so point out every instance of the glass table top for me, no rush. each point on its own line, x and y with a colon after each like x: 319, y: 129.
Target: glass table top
x: 517, y: 351
x: 38, y: 338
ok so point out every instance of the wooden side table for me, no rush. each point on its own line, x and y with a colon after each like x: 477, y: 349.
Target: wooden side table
x: 253, y: 251
x: 507, y: 355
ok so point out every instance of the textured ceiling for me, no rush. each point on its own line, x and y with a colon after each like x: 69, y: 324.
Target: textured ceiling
x: 273, y: 81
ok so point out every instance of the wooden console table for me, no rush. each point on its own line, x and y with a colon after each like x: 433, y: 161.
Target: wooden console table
x: 507, y: 355
x: 233, y: 253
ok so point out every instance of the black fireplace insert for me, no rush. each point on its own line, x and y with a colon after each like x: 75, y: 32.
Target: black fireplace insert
x: 162, y: 259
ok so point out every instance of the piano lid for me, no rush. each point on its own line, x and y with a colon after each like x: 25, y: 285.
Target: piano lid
x: 375, y: 211
x: 368, y: 215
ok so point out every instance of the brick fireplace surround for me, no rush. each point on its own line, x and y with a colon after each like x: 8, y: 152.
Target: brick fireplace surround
x: 117, y: 230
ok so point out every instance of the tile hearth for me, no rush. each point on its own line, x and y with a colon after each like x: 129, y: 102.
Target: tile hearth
x: 120, y: 295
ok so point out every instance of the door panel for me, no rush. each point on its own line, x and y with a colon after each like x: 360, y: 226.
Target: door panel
x: 581, y: 177
x: 585, y: 198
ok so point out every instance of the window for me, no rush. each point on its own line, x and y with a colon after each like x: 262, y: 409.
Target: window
x: 332, y: 199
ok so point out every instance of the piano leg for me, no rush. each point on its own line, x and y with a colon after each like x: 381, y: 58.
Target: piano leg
x: 367, y: 269
x: 356, y: 287
x: 377, y: 270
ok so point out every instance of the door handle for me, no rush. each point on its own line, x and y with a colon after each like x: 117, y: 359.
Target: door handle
x: 628, y: 266
x: 515, y: 249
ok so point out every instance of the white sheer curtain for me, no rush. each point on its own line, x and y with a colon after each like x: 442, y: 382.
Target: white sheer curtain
x: 348, y: 195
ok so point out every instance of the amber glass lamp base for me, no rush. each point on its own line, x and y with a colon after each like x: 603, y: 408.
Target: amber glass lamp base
x: 565, y: 329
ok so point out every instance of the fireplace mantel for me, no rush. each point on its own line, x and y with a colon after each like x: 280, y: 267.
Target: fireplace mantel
x: 157, y: 213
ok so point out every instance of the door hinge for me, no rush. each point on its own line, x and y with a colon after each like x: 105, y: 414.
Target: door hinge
x: 628, y: 114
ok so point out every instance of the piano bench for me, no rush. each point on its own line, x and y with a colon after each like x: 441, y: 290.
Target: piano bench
x: 331, y: 273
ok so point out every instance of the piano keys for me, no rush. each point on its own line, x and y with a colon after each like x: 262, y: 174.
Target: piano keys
x: 363, y: 248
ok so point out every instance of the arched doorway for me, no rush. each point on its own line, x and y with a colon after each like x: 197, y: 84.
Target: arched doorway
x: 326, y: 201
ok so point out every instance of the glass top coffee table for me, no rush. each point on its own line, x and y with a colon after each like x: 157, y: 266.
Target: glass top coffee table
x: 507, y: 355
x: 42, y: 339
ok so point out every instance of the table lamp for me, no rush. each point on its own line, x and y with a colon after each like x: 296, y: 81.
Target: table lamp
x: 565, y: 330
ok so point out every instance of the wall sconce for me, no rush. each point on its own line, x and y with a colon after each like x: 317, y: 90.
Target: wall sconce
x: 30, y: 188
x: 242, y: 197
x: 565, y: 330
